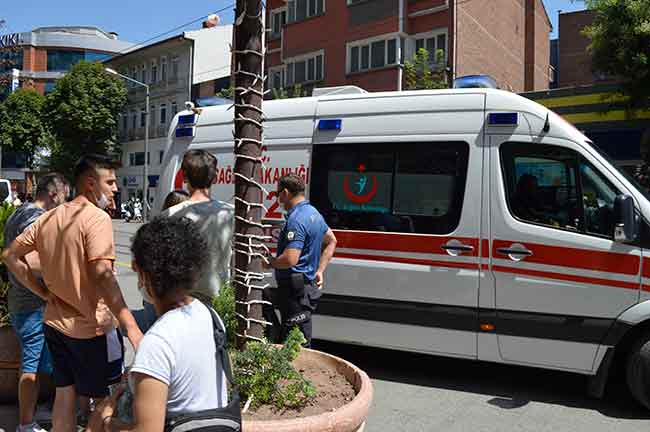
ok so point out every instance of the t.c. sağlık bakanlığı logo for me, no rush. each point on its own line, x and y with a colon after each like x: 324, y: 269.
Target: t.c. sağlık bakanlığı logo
x: 362, y: 194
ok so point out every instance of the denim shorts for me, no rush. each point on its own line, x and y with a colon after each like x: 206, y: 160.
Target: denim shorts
x: 29, y: 328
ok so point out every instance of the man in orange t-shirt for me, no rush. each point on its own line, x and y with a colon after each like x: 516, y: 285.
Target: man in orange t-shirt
x: 76, y: 250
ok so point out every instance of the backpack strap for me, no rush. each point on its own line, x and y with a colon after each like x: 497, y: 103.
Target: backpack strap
x: 220, y: 342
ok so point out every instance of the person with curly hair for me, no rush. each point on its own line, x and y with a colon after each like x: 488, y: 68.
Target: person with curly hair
x: 175, y: 368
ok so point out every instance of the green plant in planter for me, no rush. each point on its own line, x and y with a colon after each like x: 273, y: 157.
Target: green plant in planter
x: 6, y: 210
x: 266, y: 376
x: 224, y: 304
x: 264, y: 371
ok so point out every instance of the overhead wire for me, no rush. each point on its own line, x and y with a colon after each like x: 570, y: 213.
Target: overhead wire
x: 177, y: 28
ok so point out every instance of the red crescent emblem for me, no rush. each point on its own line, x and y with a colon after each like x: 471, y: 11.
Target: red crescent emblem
x: 179, y: 180
x: 359, y: 199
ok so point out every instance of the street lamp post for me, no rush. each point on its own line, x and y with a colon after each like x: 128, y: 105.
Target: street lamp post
x: 145, y: 173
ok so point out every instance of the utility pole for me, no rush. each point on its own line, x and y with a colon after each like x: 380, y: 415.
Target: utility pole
x: 249, y: 238
x: 145, y: 173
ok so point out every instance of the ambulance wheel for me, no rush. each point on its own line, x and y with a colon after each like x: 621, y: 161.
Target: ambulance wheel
x: 638, y: 370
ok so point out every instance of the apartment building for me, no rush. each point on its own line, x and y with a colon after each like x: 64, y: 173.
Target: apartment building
x: 318, y: 43
x: 182, y: 68
x: 574, y: 59
x: 37, y: 59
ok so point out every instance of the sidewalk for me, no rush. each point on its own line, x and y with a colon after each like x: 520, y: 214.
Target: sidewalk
x: 9, y: 417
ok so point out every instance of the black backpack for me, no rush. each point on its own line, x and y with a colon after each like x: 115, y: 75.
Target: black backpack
x: 226, y: 419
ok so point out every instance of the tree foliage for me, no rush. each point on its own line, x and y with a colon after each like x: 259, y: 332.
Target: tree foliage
x: 422, y: 74
x: 620, y: 45
x: 227, y: 93
x: 22, y: 125
x: 297, y: 91
x: 83, y: 113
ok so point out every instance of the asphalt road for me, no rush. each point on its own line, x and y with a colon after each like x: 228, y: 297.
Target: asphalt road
x: 425, y: 393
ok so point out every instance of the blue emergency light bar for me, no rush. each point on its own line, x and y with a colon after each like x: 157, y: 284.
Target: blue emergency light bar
x: 185, y: 132
x: 475, y: 81
x: 330, y: 125
x: 503, y: 119
x: 187, y: 120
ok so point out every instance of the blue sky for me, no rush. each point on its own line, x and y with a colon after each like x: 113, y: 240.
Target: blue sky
x: 137, y: 21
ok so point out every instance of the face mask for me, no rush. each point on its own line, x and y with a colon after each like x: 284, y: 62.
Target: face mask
x: 143, y: 292
x: 102, y: 202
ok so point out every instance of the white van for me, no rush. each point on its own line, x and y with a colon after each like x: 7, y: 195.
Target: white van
x: 5, y: 192
x: 471, y: 223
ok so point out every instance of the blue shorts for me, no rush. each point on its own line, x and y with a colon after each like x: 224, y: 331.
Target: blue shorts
x: 29, y: 328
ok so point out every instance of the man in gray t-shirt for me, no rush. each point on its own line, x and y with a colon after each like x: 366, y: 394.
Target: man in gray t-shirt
x: 25, y: 307
x: 19, y: 298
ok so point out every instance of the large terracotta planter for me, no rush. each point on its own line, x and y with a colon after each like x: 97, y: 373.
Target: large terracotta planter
x: 348, y: 418
x: 9, y: 365
x: 10, y: 369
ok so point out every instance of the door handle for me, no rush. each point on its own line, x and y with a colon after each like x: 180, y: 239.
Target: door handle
x: 458, y: 248
x: 514, y: 251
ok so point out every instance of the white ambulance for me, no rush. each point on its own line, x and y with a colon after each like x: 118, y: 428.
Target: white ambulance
x: 471, y: 223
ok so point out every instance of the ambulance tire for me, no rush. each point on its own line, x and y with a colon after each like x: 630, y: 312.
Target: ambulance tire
x: 638, y: 370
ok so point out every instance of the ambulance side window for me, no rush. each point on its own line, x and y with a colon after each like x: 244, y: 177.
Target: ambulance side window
x: 396, y: 187
x: 556, y: 187
x: 541, y: 184
x: 598, y: 196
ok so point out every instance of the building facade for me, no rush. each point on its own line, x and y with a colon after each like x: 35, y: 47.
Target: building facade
x: 38, y: 59
x: 322, y: 43
x: 182, y: 68
x: 45, y: 54
x: 574, y: 59
x: 600, y: 113
x: 592, y: 101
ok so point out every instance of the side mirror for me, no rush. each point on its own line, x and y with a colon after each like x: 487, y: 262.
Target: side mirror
x: 624, y: 220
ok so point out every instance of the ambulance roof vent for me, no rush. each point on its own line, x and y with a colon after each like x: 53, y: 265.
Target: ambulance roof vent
x: 342, y: 90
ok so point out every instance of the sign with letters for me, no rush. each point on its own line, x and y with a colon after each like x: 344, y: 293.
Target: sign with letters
x: 9, y: 40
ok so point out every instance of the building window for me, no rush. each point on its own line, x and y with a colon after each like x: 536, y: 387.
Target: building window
x: 161, y: 155
x: 64, y: 60
x: 125, y: 122
x: 276, y: 77
x: 163, y: 114
x: 278, y: 20
x: 163, y: 69
x: 372, y: 54
x: 175, y: 61
x: 305, y: 69
x: 137, y: 159
x: 396, y: 187
x: 49, y: 86
x: 134, y: 119
x: 143, y: 117
x: 174, y: 109
x: 143, y: 73
x: 300, y: 10
x: 432, y: 42
x: 154, y: 72
x: 11, y: 59
x: 134, y: 75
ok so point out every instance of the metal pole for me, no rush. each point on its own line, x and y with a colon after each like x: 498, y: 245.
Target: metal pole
x: 145, y: 183
x: 145, y: 173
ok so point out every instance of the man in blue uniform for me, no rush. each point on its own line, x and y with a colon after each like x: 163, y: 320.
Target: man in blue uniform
x: 305, y: 247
